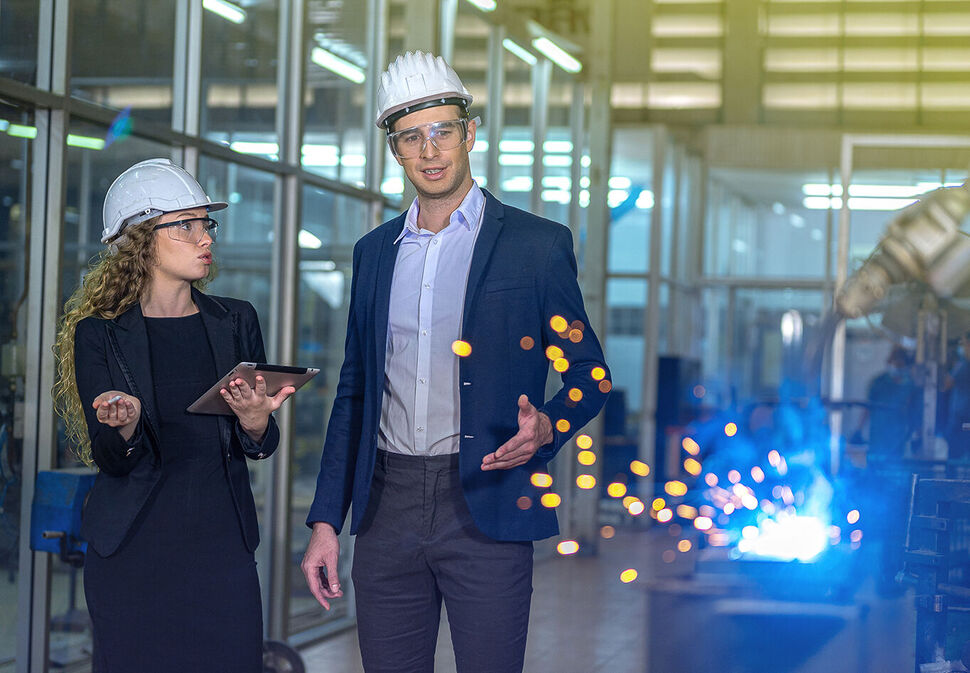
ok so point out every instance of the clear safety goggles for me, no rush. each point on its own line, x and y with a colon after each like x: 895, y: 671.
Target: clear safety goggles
x: 190, y: 230
x: 444, y: 135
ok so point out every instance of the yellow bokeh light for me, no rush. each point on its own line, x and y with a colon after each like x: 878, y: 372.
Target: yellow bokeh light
x: 731, y: 429
x: 584, y: 441
x: 527, y: 343
x: 575, y: 336
x: 560, y: 364
x: 684, y: 546
x: 586, y: 481
x: 692, y: 466
x: 461, y: 348
x: 658, y: 504
x: 525, y: 502
x: 562, y: 425
x: 639, y: 468
x: 686, y: 512
x: 554, y: 353
x: 541, y: 480
x: 607, y: 532
x: 598, y: 373
x: 550, y: 500
x: 636, y: 508
x: 605, y: 386
x: 558, y: 324
x: 586, y: 457
x: 852, y: 517
x: 664, y: 515
x: 575, y: 394
x: 616, y: 489
x: 567, y: 547
x: 690, y: 446
x: 628, y: 575
x: 675, y: 488
x: 629, y: 500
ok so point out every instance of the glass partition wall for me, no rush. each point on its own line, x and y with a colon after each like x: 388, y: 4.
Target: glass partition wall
x: 278, y: 132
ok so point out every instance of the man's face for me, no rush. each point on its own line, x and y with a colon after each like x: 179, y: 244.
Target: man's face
x: 437, y: 173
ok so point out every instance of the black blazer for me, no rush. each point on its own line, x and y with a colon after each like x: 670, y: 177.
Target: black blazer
x: 113, y: 355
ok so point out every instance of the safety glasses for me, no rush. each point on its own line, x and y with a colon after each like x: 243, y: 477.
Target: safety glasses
x: 190, y: 230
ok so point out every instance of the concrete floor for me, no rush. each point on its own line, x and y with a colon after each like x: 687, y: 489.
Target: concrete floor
x: 585, y: 620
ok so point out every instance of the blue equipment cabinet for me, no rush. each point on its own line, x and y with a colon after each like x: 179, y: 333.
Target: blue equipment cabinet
x: 55, y: 517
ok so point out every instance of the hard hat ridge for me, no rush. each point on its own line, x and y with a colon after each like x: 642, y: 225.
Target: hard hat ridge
x: 416, y: 80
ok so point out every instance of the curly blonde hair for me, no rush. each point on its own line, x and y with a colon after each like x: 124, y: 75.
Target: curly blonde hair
x: 118, y: 279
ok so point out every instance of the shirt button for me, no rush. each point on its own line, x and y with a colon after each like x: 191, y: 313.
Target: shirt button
x: 422, y: 381
x: 435, y: 242
x: 427, y: 285
x: 420, y: 429
x: 424, y: 332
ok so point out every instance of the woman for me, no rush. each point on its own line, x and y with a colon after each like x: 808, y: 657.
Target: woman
x: 170, y: 576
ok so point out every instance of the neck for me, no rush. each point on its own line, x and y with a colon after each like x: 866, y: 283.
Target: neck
x: 434, y: 214
x: 168, y: 299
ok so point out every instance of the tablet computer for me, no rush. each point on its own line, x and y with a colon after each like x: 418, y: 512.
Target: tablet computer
x: 277, y: 377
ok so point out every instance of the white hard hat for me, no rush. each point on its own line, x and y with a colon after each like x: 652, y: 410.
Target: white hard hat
x: 414, y: 81
x: 150, y: 188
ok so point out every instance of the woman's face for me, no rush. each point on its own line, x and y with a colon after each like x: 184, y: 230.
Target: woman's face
x: 182, y: 260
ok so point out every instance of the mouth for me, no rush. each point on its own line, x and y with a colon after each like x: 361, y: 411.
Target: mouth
x: 206, y: 258
x: 433, y: 172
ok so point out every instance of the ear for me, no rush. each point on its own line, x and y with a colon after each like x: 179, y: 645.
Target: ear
x: 472, y: 129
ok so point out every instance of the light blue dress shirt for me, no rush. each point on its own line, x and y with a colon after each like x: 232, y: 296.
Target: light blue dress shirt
x: 420, y: 407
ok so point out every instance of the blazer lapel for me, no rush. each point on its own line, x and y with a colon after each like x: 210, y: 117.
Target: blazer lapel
x: 221, y: 327
x: 131, y: 339
x: 484, y: 245
x: 382, y: 297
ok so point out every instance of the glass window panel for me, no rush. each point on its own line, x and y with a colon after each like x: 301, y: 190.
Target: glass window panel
x: 631, y: 200
x: 679, y: 95
x: 324, y: 293
x: 890, y: 59
x: 668, y: 210
x: 626, y: 301
x: 336, y: 53
x: 16, y: 156
x: 18, y: 40
x: 516, y: 147
x: 756, y: 218
x: 794, y: 25
x: 134, y: 67
x: 879, y: 95
x: 800, y: 96
x: 239, y: 91
x: 945, y: 59
x: 946, y: 23
x: 687, y: 25
x: 780, y: 59
x: 883, y: 25
x: 704, y: 62
x: 945, y: 95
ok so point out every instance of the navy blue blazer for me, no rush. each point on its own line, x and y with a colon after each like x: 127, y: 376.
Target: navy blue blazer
x: 523, y: 272
x: 113, y: 355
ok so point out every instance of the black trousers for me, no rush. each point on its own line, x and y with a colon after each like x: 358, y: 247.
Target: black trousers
x: 418, y: 544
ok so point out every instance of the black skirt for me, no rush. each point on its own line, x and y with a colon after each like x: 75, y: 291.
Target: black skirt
x: 181, y: 593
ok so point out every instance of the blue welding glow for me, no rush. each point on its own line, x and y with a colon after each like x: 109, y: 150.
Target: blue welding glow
x: 787, y: 538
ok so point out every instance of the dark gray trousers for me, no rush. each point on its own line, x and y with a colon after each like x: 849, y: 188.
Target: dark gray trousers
x: 418, y: 544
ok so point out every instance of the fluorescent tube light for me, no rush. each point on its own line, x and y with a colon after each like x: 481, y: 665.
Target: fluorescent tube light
x: 335, y: 64
x: 308, y: 240
x: 87, y: 142
x: 524, y: 146
x: 484, y: 5
x: 226, y: 10
x: 557, y: 54
x: 558, y: 146
x: 21, y: 131
x: 520, y: 51
x: 248, y: 147
x: 515, y: 159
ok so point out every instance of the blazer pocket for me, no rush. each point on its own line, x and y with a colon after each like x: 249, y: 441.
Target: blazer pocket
x: 513, y: 283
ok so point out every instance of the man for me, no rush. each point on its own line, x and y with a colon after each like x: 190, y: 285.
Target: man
x: 457, y: 307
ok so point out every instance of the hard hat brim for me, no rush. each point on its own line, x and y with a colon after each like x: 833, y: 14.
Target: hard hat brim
x: 459, y: 98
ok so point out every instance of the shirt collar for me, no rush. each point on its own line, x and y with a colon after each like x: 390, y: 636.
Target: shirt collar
x: 468, y: 214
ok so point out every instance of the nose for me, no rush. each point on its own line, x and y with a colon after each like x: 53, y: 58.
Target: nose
x: 429, y: 148
x: 206, y: 239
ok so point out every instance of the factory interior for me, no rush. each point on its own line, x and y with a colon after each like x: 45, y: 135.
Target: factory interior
x: 770, y: 211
